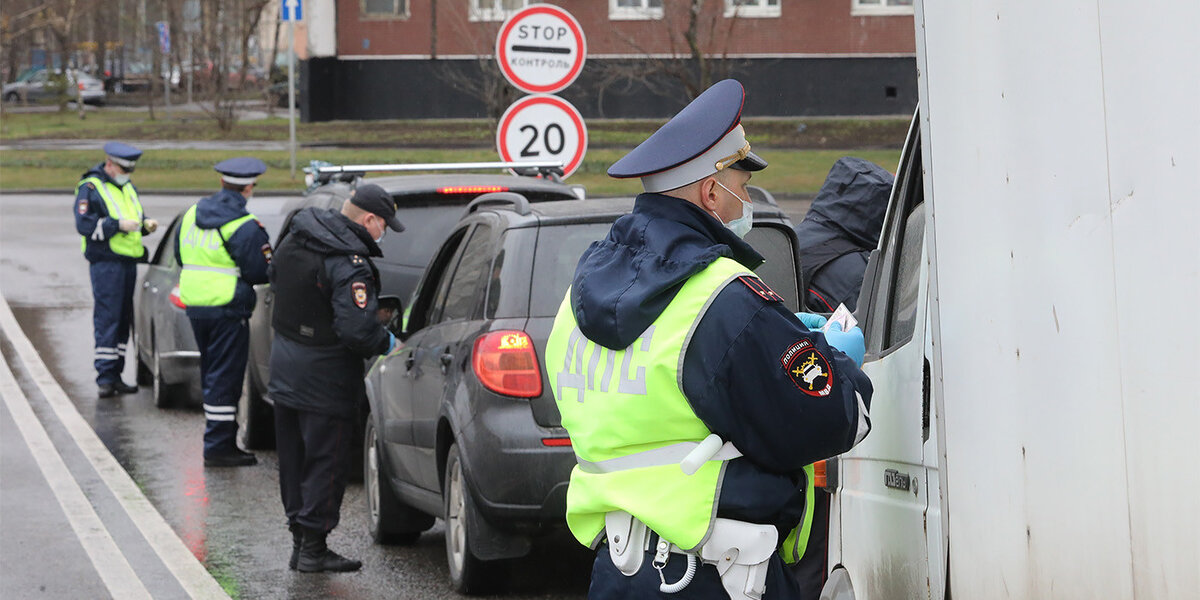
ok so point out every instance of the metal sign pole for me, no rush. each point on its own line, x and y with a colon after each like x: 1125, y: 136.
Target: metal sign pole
x: 292, y: 95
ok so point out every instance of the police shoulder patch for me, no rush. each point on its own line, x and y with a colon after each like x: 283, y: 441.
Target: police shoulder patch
x: 81, y: 206
x: 266, y: 252
x: 808, y: 369
x: 757, y: 286
x: 359, y: 290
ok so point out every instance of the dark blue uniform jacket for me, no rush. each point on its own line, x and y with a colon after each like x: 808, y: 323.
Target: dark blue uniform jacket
x: 329, y: 379
x: 840, y: 230
x: 91, y: 213
x: 733, y: 376
x: 249, y: 246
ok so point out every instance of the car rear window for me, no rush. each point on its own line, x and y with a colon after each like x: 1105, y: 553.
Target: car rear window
x: 554, y: 262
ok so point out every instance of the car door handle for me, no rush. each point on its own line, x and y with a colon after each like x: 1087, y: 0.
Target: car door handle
x: 446, y: 359
x: 408, y: 361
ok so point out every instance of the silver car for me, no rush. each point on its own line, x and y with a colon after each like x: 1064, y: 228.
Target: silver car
x: 36, y: 86
x: 168, y: 359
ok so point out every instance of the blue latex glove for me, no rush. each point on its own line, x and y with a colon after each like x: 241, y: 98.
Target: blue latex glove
x: 391, y: 342
x: 849, y: 342
x: 811, y: 321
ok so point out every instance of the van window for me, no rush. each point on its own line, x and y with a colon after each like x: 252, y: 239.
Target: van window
x: 902, y: 314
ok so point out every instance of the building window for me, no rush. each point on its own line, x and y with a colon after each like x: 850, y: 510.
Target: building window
x: 752, y: 8
x: 867, y: 8
x: 384, y: 9
x: 634, y: 10
x: 497, y: 10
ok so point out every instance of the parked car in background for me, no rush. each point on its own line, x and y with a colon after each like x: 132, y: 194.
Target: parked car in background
x: 277, y: 94
x: 40, y: 85
x: 429, y: 206
x: 167, y: 357
x: 139, y: 75
x: 462, y: 423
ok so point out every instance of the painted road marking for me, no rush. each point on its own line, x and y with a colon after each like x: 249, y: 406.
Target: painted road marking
x: 106, y: 557
x: 192, y: 576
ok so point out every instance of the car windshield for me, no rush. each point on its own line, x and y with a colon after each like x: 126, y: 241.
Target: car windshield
x: 557, y: 254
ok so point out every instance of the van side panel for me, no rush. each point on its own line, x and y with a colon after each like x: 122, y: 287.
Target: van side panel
x: 1151, y: 59
x: 1027, y: 339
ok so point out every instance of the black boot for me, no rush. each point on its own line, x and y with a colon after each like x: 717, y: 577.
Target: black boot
x: 297, y: 538
x: 315, y: 556
x: 107, y: 390
x: 233, y: 457
x: 124, y: 388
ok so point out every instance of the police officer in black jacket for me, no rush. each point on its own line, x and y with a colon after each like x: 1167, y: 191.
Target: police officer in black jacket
x: 326, y: 290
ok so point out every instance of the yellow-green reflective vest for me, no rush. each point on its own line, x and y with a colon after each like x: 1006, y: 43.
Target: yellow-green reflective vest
x: 121, y: 202
x: 796, y: 543
x: 209, y: 276
x: 626, y: 405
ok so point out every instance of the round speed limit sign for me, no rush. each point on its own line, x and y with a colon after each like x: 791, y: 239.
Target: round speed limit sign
x: 542, y: 127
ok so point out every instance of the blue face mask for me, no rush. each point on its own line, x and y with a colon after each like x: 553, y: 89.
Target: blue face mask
x: 741, y: 225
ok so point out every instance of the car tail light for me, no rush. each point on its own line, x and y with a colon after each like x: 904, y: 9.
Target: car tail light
x: 472, y: 189
x: 176, y: 299
x: 505, y: 363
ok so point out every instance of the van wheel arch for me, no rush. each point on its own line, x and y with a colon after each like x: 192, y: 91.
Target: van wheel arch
x: 838, y: 586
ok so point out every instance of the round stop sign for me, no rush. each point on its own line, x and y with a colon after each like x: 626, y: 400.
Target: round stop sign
x: 542, y: 127
x: 541, y: 49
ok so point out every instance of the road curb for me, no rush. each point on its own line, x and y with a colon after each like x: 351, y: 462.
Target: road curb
x: 196, y: 581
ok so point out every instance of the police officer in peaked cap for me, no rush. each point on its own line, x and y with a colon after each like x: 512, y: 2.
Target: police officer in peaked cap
x: 224, y: 251
x: 694, y: 399
x: 110, y: 218
x: 325, y: 320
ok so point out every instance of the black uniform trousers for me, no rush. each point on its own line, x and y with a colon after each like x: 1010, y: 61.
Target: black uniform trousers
x: 314, y: 461
x: 112, y: 316
x: 224, y: 348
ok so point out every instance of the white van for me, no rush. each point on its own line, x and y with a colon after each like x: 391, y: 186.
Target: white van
x: 1031, y: 315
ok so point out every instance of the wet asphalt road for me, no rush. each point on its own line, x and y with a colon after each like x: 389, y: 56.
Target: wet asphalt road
x: 231, y: 519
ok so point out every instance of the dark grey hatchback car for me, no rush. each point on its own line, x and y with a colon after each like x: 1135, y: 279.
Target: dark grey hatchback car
x: 463, y: 425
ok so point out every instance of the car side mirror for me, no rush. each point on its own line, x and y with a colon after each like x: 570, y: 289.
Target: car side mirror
x: 391, y: 313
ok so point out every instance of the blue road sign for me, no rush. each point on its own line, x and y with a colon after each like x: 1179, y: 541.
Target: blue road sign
x: 293, y: 10
x: 164, y: 36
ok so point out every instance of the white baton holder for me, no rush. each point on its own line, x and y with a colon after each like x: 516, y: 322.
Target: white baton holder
x: 739, y: 550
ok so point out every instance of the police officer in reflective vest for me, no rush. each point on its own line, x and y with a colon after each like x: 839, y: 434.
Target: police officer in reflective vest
x: 694, y: 399
x: 224, y: 252
x: 326, y: 291
x: 109, y: 217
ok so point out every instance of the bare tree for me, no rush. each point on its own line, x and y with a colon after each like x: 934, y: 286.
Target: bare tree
x: 224, y: 21
x: 698, y: 39
x: 485, y: 83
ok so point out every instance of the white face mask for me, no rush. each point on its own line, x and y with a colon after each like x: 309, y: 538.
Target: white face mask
x: 741, y: 225
x: 382, y: 232
x: 121, y: 179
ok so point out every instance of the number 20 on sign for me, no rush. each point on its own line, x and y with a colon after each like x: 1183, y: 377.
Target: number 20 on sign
x: 543, y: 127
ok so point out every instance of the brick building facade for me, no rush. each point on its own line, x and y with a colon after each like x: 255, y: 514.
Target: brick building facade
x: 432, y: 58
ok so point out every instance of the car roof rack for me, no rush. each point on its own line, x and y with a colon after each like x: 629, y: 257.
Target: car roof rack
x: 519, y: 203
x: 551, y: 170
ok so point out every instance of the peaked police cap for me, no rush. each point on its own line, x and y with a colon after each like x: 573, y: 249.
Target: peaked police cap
x: 243, y: 170
x: 705, y: 137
